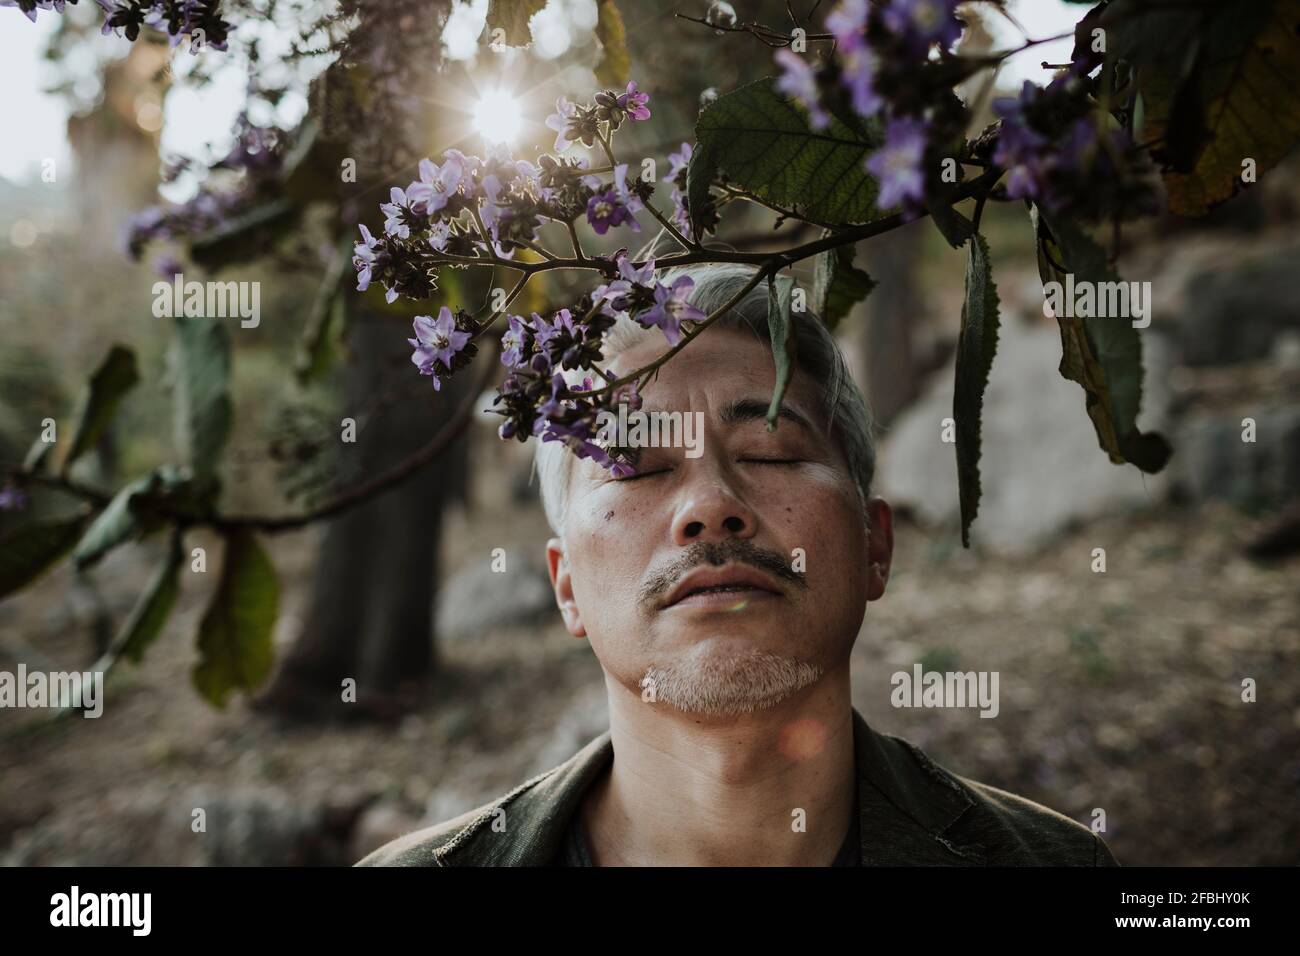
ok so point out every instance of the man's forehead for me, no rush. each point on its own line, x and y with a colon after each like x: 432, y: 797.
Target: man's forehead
x: 722, y: 374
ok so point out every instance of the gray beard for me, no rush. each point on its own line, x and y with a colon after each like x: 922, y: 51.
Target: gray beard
x: 726, y: 685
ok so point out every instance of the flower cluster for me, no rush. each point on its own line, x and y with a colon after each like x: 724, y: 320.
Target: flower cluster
x: 470, y: 207
x: 1060, y: 152
x: 883, y: 69
x: 464, y: 209
x: 257, y: 157
x: 176, y: 18
x: 535, y: 399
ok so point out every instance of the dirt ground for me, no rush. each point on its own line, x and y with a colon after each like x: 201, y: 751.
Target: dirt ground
x: 1120, y: 692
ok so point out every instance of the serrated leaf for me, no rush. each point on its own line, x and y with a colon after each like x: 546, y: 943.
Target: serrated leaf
x: 615, y: 64
x: 512, y: 16
x: 781, y: 331
x: 29, y: 550
x: 234, y: 640
x: 202, y: 393
x: 1219, y: 86
x: 761, y: 141
x: 116, y: 375
x: 976, y: 344
x: 154, y: 606
x: 1104, y: 355
x: 838, y: 285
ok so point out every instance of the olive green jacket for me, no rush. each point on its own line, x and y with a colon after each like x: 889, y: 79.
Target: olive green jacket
x: 912, y: 812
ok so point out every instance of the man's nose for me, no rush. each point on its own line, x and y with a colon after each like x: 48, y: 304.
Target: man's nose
x: 712, y: 511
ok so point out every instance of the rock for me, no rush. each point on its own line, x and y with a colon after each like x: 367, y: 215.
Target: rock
x: 1212, y: 461
x: 1235, y: 314
x: 1041, y: 469
x: 477, y: 599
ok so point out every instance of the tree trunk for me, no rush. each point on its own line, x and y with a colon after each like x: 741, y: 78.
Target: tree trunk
x: 373, y: 592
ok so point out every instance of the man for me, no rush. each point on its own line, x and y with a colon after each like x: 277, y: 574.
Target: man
x: 722, y: 588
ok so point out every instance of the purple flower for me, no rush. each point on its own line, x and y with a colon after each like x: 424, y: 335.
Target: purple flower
x: 614, y: 206
x: 364, y: 258
x: 436, y: 341
x: 679, y: 161
x: 847, y: 22
x: 798, y: 80
x: 920, y: 23
x: 1021, y: 150
x: 167, y: 266
x: 858, y: 76
x: 12, y: 498
x: 513, y: 342
x: 395, y: 223
x: 897, y: 165
x: 633, y: 103
x: 439, y: 235
x: 559, y: 121
x: 671, y: 309
x: 436, y: 186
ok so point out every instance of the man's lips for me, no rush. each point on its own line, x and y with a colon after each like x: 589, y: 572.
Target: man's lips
x: 711, y: 585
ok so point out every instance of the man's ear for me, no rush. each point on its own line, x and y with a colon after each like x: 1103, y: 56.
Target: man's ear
x: 880, y: 546
x: 562, y: 583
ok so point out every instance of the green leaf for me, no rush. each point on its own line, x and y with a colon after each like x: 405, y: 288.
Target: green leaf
x: 781, y: 331
x: 116, y: 523
x: 512, y: 16
x: 838, y: 284
x: 1104, y: 355
x: 955, y: 228
x: 1218, y: 86
x: 154, y: 606
x: 234, y: 640
x: 37, y: 454
x: 976, y: 344
x: 202, y: 394
x: 29, y: 550
x: 615, y: 64
x: 761, y: 141
x: 247, y: 235
x: 114, y: 377
x: 700, y: 173
x: 315, y: 349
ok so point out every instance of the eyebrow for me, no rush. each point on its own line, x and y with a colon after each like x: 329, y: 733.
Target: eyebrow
x: 749, y: 409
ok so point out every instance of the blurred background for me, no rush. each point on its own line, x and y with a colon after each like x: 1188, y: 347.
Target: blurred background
x: 1119, y: 690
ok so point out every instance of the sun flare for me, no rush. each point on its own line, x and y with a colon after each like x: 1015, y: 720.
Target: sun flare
x: 497, y: 116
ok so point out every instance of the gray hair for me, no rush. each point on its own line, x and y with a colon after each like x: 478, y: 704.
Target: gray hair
x: 843, y: 406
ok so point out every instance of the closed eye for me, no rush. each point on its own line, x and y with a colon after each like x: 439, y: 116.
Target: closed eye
x: 642, y: 474
x: 773, y: 461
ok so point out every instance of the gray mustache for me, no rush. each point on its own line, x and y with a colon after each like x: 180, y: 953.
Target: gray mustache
x: 715, y: 553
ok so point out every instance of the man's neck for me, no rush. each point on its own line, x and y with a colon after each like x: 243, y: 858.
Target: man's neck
x: 771, y: 788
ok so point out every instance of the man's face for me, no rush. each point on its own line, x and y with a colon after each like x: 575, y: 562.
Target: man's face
x: 734, y: 578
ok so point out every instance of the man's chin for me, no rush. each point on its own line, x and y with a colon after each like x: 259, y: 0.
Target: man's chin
x: 726, y: 674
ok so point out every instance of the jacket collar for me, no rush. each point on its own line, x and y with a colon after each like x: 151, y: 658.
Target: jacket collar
x: 905, y: 805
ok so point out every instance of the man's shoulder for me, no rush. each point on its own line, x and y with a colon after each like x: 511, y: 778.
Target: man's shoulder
x: 539, y: 810
x: 1011, y: 830
x: 421, y: 847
